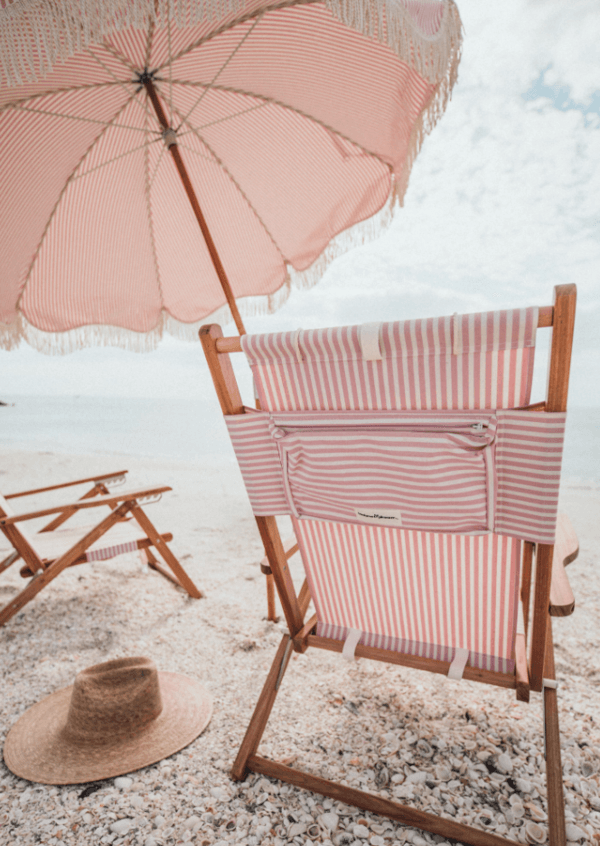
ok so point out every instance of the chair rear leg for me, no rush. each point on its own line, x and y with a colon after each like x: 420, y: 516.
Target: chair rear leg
x: 181, y: 576
x: 263, y: 709
x: 554, y: 775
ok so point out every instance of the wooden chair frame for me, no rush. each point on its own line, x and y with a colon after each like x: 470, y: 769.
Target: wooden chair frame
x: 534, y: 658
x: 123, y: 506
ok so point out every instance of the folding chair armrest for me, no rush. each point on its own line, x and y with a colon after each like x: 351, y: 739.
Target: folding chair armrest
x: 290, y: 547
x: 102, y: 477
x: 566, y: 549
x: 110, y: 499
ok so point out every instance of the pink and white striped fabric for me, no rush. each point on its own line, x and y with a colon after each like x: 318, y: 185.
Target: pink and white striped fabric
x: 412, y: 420
x: 412, y: 592
x: 460, y: 362
x: 431, y: 471
x: 296, y: 121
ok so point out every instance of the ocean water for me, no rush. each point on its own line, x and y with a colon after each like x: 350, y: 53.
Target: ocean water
x: 193, y: 430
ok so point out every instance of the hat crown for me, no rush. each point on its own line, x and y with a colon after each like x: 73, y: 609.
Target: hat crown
x: 116, y: 698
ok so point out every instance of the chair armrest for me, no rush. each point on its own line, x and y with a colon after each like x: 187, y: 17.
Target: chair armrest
x: 290, y: 547
x: 566, y: 549
x: 100, y: 478
x: 124, y: 496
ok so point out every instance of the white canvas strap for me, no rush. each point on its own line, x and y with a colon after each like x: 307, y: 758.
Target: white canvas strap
x: 350, y: 644
x: 459, y: 662
x: 369, y: 341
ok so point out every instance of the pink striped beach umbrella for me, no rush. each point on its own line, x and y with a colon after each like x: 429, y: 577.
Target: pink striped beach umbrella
x: 165, y: 159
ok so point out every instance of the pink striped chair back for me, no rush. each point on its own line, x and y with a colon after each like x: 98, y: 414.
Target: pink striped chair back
x: 423, y: 593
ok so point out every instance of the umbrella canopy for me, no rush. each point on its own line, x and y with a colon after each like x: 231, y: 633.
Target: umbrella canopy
x: 287, y: 122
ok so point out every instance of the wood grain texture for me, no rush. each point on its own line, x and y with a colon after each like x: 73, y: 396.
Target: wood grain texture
x: 414, y: 661
x: 554, y: 776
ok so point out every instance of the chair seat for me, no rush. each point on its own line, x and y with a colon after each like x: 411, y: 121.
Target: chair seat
x: 50, y: 545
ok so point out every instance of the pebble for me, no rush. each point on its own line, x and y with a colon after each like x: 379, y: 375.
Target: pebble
x: 193, y: 822
x: 123, y: 782
x: 121, y: 826
x: 159, y: 821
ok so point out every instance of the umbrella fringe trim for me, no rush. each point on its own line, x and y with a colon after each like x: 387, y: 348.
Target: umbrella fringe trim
x: 36, y: 34
x: 98, y: 335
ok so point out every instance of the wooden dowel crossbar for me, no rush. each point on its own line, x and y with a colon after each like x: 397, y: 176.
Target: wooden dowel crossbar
x: 233, y: 344
x: 377, y: 804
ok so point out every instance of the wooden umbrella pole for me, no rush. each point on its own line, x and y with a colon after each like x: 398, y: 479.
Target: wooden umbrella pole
x: 189, y: 190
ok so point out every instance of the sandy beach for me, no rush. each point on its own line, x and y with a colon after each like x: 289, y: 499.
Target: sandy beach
x: 423, y: 739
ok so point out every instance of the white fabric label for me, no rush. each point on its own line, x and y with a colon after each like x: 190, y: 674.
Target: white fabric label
x: 379, y: 516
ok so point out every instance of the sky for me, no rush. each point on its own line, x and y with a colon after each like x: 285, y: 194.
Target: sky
x: 503, y: 204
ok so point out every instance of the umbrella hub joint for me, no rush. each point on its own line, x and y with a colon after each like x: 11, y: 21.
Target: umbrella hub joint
x: 169, y: 136
x: 145, y: 76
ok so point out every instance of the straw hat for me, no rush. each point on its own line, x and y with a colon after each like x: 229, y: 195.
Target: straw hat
x: 118, y: 717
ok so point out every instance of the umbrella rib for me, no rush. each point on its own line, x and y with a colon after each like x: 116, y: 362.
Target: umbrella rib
x: 158, y: 161
x: 121, y: 57
x: 119, y: 82
x: 151, y: 223
x: 223, y: 66
x: 52, y: 91
x: 271, y: 101
x: 169, y: 46
x: 284, y: 4
x: 144, y: 146
x: 222, y: 119
x: 68, y: 181
x: 151, y: 30
x: 238, y: 187
x: 104, y: 123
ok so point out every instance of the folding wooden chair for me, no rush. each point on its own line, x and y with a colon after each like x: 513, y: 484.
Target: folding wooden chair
x: 52, y: 549
x: 423, y: 490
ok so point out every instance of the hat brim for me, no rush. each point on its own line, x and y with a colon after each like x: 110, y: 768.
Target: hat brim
x: 36, y: 748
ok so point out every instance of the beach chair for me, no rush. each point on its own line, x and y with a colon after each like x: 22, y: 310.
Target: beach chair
x: 423, y: 488
x: 49, y: 551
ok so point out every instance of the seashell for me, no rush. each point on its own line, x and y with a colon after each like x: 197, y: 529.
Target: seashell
x: 230, y: 825
x: 390, y: 748
x: 587, y: 769
x: 295, y: 829
x: 485, y: 820
x: 470, y: 745
x: 313, y: 832
x: 382, y: 777
x: 574, y: 832
x: 535, y: 833
x: 329, y: 820
x: 517, y: 810
x: 344, y: 838
x: 536, y: 812
x: 424, y: 749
